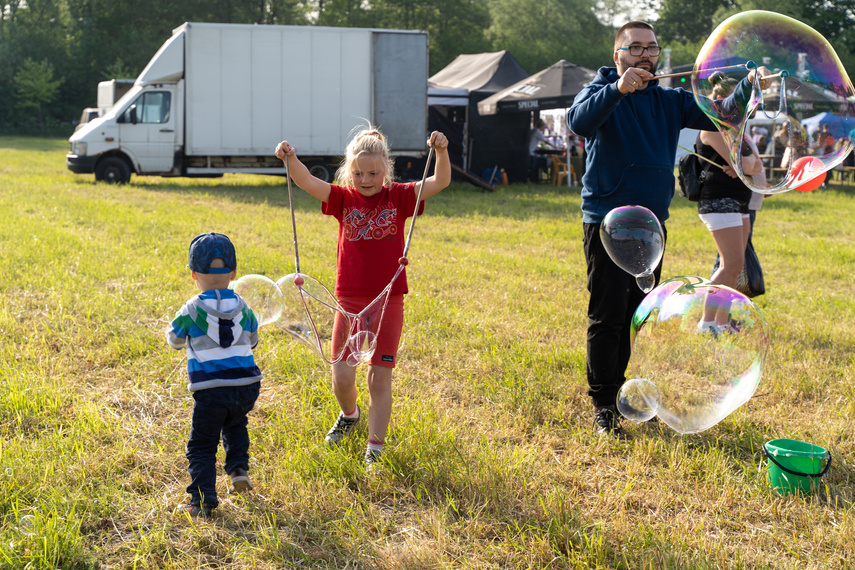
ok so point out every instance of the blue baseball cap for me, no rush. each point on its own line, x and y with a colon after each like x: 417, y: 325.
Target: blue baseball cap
x: 205, y: 248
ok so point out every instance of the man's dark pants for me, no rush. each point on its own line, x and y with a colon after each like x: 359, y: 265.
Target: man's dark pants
x: 218, y: 411
x: 614, y: 296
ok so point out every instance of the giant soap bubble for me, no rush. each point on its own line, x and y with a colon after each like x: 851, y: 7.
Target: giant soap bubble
x: 806, y: 102
x: 633, y: 238
x: 693, y: 376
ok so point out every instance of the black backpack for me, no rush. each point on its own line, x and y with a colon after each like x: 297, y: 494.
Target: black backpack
x: 691, y: 176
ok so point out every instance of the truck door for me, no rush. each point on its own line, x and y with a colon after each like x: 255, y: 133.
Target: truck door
x: 147, y: 131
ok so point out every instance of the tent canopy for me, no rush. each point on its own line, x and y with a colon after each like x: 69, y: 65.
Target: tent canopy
x: 477, y: 143
x: 552, y: 88
x: 838, y: 125
x: 487, y: 72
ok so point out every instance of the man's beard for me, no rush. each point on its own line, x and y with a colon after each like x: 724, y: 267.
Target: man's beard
x: 648, y: 66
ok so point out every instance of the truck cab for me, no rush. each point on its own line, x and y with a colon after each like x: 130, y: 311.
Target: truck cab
x: 139, y: 134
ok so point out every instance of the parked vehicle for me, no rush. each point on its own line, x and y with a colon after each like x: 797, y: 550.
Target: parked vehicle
x: 217, y: 98
x: 108, y: 93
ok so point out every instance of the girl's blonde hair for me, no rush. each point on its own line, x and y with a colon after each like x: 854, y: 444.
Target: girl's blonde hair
x: 723, y: 85
x: 367, y: 141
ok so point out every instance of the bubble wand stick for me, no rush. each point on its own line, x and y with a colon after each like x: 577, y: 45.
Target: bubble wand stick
x: 741, y: 66
x: 701, y: 157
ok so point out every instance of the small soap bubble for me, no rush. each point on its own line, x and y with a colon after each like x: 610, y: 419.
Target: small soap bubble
x: 633, y: 238
x: 27, y: 524
x: 638, y: 400
x: 262, y: 295
x: 362, y: 345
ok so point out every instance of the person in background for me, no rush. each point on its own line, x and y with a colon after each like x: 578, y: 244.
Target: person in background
x: 724, y: 206
x: 537, y: 162
x: 631, y: 127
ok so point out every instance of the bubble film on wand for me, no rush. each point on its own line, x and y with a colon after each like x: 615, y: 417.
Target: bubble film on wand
x: 693, y: 377
x: 807, y: 87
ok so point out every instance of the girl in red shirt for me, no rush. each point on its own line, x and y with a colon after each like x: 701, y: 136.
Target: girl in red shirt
x: 371, y: 211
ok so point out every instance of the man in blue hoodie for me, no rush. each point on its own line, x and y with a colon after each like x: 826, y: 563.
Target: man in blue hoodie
x: 631, y: 127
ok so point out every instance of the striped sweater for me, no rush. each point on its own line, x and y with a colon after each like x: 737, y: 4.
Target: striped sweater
x: 219, y: 331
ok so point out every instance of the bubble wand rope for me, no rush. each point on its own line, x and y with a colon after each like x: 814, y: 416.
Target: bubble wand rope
x: 293, y: 221
x: 418, y: 201
x: 298, y: 278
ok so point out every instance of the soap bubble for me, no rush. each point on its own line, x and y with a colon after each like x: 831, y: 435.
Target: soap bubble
x: 361, y: 345
x: 702, y: 373
x: 632, y: 236
x: 365, y: 329
x: 638, y: 400
x: 27, y: 524
x: 262, y: 295
x: 309, y: 314
x: 809, y: 88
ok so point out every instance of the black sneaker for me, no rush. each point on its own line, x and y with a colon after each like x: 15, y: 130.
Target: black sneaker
x: 241, y: 482
x: 342, y: 428
x: 197, y: 511
x: 607, y: 422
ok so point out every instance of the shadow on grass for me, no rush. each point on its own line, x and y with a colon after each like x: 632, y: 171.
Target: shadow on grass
x: 33, y: 144
x: 460, y: 199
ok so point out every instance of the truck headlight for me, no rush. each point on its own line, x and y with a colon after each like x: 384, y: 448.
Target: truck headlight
x: 78, y: 148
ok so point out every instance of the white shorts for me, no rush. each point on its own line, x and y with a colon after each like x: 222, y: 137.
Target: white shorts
x: 715, y: 222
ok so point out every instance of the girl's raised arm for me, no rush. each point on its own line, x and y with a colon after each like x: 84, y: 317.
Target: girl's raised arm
x: 442, y: 171
x: 300, y: 174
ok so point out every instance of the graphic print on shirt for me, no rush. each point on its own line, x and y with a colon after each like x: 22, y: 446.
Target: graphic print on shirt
x: 377, y: 223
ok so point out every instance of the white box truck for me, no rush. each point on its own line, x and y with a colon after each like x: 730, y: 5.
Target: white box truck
x: 218, y: 98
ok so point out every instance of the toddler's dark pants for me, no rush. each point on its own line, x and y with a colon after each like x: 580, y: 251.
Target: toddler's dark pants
x: 216, y: 412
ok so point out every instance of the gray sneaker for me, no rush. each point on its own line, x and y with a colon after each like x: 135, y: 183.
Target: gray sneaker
x: 607, y: 422
x: 342, y: 427
x: 240, y: 480
x: 372, y: 461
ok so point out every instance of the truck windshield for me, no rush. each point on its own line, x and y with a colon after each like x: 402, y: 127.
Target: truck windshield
x: 151, y: 107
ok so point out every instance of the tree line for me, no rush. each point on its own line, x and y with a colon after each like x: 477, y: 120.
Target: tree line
x: 53, y: 53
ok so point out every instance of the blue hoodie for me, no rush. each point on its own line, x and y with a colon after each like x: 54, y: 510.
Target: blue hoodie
x: 631, y: 141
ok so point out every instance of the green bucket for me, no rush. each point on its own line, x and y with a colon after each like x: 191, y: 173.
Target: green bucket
x: 795, y: 466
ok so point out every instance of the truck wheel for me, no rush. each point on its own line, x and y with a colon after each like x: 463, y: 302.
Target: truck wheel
x: 114, y: 170
x: 321, y: 170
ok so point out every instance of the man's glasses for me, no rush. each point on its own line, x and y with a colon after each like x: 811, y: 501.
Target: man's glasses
x: 636, y: 51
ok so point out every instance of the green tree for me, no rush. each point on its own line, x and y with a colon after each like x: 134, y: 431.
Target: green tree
x: 454, y: 26
x: 36, y: 87
x: 540, y: 32
x: 688, y: 21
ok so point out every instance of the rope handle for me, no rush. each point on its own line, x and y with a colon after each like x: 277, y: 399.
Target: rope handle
x: 791, y: 472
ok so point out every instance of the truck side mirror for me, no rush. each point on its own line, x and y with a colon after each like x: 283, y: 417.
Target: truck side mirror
x: 133, y: 113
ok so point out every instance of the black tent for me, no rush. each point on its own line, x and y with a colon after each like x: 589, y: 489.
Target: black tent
x: 551, y: 88
x: 478, y: 143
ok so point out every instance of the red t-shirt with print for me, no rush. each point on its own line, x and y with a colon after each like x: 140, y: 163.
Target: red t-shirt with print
x: 371, y: 235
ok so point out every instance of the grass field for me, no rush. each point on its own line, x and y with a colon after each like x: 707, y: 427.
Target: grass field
x: 491, y: 460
